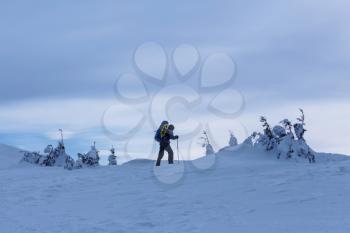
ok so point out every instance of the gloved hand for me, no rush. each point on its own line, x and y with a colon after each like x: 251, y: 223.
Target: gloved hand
x: 176, y: 137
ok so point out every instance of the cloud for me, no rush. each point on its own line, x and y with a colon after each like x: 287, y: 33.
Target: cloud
x: 52, y: 114
x: 83, y: 52
x: 60, y: 73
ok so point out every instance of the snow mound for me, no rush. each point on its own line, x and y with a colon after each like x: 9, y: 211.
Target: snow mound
x: 9, y: 156
x: 138, y: 162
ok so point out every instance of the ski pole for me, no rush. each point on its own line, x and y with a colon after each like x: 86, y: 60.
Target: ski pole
x: 177, y: 148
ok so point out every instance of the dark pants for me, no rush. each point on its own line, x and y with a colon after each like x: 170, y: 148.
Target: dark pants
x: 165, y: 147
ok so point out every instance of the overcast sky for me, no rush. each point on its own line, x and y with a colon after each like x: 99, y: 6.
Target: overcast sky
x: 59, y: 61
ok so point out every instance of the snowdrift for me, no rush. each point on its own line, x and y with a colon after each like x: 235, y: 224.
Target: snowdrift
x: 240, y: 189
x: 9, y: 156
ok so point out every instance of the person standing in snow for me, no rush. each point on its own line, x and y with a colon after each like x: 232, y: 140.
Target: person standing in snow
x: 164, y: 134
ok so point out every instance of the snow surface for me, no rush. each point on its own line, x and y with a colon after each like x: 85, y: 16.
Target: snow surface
x: 238, y: 190
x: 9, y: 156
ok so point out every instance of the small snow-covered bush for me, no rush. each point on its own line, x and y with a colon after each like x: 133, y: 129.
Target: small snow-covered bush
x: 31, y: 157
x: 56, y: 156
x: 69, y: 163
x: 89, y: 159
x: 233, y: 140
x: 299, y: 127
x: 112, y: 158
x: 282, y: 141
x: 279, y: 131
x: 249, y: 141
x: 209, y: 150
x: 303, y: 150
x: 52, y: 157
x: 301, y: 147
x: 285, y: 146
x: 266, y: 139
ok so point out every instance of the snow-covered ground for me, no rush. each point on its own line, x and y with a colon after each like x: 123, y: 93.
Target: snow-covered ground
x: 243, y: 191
x: 9, y: 156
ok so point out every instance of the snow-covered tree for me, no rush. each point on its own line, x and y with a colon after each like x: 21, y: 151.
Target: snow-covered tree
x: 69, y: 163
x: 252, y: 140
x: 267, y: 139
x: 209, y: 150
x: 266, y: 126
x: 301, y: 147
x: 52, y: 157
x: 287, y: 125
x: 112, y: 158
x: 278, y: 131
x: 55, y: 156
x: 286, y: 140
x: 233, y: 140
x: 282, y: 141
x: 31, y: 157
x: 299, y: 127
x: 89, y: 159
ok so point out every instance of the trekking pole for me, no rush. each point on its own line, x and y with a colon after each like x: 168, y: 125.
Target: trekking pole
x: 177, y: 148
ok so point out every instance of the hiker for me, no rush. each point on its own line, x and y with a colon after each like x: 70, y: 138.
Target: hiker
x: 163, y: 135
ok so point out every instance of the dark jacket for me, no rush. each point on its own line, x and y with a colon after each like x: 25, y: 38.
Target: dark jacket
x: 169, y: 135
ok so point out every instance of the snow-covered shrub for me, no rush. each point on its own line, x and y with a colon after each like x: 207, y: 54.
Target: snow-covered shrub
x: 285, y: 146
x: 89, y: 159
x: 285, y: 139
x: 112, y: 158
x: 69, y: 163
x: 262, y: 140
x: 303, y: 150
x: 252, y: 140
x: 281, y: 140
x: 301, y: 147
x: 299, y: 127
x: 52, y: 157
x: 233, y: 140
x: 299, y: 130
x: 287, y: 125
x: 266, y: 139
x: 31, y: 157
x: 249, y: 141
x: 209, y: 150
x: 56, y: 156
x: 279, y: 131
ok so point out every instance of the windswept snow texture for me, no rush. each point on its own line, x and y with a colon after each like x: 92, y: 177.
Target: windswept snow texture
x: 244, y: 191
